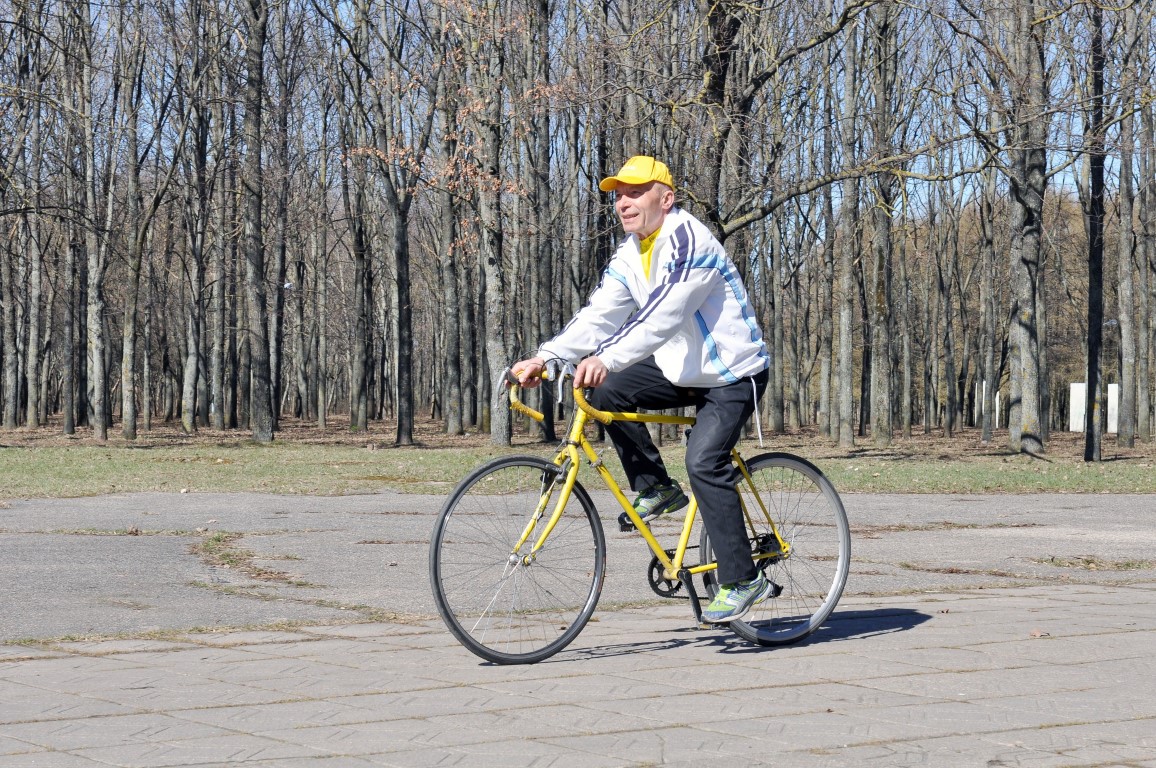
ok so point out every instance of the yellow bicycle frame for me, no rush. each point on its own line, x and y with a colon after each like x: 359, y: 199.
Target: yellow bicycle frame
x: 569, y: 457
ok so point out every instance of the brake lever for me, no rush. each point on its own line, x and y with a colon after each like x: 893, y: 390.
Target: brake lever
x: 559, y: 369
x: 502, y: 385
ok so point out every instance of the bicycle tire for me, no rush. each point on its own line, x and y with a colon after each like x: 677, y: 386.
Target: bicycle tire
x: 497, y: 605
x: 810, y: 517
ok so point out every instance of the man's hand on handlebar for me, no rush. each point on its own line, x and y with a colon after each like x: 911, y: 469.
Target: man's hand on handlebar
x: 591, y: 372
x: 529, y: 372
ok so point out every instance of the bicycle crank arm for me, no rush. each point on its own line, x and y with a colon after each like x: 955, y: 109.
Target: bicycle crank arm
x: 695, y: 601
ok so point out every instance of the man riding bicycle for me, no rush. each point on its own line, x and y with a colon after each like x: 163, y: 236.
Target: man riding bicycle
x: 670, y: 325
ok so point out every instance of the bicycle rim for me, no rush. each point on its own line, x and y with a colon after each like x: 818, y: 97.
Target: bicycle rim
x: 811, y: 519
x: 498, y: 605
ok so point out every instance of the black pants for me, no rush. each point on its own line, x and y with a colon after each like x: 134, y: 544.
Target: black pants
x: 722, y: 411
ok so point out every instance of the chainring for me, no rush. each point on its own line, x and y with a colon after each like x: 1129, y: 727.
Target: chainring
x: 662, y: 587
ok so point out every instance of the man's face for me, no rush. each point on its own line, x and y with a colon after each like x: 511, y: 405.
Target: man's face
x: 642, y: 207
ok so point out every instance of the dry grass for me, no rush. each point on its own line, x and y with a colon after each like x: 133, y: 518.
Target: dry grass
x: 304, y: 459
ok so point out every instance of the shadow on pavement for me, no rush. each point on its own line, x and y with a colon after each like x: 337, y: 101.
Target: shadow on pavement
x: 847, y: 625
x: 842, y: 625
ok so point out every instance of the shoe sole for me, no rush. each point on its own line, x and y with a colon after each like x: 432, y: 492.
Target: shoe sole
x: 745, y: 609
x: 672, y: 506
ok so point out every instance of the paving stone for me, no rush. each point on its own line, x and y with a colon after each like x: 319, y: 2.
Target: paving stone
x: 1049, y: 674
x: 221, y: 750
x: 115, y: 647
x: 22, y: 703
x: 47, y: 759
x: 73, y: 735
x: 25, y: 652
x: 341, y: 761
x: 276, y: 715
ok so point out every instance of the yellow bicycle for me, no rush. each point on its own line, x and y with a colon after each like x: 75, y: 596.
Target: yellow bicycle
x: 518, y: 554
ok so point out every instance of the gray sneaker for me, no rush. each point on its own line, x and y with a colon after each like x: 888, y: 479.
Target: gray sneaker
x: 659, y: 500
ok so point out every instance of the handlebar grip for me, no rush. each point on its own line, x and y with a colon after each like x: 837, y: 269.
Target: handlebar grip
x: 512, y: 387
x: 513, y: 384
x: 602, y: 416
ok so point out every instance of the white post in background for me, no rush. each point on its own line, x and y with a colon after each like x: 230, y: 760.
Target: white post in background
x: 1077, y: 409
x: 1077, y: 402
x: 980, y: 393
x: 1113, y: 408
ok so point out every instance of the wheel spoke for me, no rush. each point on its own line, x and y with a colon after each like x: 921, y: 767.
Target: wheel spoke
x: 501, y: 607
x: 810, y: 518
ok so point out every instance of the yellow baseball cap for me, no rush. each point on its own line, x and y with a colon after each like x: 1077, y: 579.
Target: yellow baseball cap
x: 638, y: 170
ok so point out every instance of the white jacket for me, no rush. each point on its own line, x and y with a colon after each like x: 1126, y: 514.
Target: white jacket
x: 691, y: 312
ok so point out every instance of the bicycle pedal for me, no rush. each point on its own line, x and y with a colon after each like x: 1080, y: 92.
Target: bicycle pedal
x: 624, y: 523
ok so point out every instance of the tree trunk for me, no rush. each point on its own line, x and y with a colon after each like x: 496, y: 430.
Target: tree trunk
x: 218, y: 259
x: 1145, y: 255
x: 128, y: 355
x: 885, y: 57
x: 68, y: 374
x: 191, y: 364
x: 11, y: 358
x: 132, y: 289
x: 848, y: 248
x: 261, y: 392
x: 1125, y: 248
x: 451, y: 380
x: 322, y: 337
x: 492, y: 69
x: 905, y: 325
x: 404, y: 330
x: 987, y: 300
x: 542, y: 253
x: 1028, y: 182
x: 1094, y: 222
x: 775, y: 389
x: 496, y: 351
x: 96, y: 244
x: 33, y: 235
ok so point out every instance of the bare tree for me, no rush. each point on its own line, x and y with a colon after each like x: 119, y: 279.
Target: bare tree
x: 884, y: 55
x: 99, y: 199
x: 490, y: 66
x: 987, y: 301
x: 254, y: 27
x: 1128, y: 417
x: 1094, y: 223
x: 424, y: 178
x: 849, y: 246
x: 161, y: 84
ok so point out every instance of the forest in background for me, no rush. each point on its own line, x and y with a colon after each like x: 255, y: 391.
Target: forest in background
x: 228, y: 214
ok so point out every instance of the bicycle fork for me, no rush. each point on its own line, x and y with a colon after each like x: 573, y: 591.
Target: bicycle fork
x: 568, y: 470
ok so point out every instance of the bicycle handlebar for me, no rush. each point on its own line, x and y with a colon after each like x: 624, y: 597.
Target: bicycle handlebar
x: 516, y: 403
x: 603, y: 416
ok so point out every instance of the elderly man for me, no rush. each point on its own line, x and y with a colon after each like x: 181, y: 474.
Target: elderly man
x: 670, y: 325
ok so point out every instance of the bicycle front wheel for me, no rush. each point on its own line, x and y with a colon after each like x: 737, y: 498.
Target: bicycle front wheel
x: 812, y: 573
x: 505, y: 606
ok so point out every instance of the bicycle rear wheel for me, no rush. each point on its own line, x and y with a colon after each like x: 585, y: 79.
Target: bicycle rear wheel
x: 501, y: 605
x: 811, y: 519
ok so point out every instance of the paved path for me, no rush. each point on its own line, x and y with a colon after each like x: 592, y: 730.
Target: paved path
x: 975, y: 631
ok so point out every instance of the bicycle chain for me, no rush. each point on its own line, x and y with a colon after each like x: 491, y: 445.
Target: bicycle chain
x: 663, y: 587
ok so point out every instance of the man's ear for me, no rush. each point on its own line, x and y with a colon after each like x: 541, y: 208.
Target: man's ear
x: 667, y: 200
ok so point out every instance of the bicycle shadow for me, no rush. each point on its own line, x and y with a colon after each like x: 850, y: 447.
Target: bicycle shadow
x: 841, y: 626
